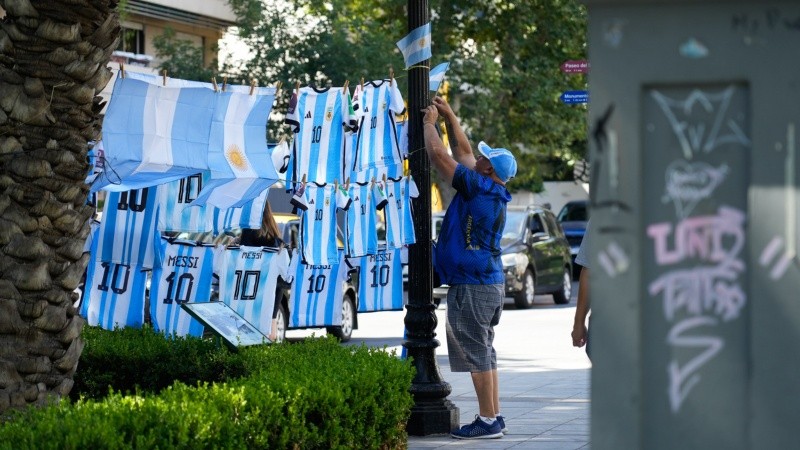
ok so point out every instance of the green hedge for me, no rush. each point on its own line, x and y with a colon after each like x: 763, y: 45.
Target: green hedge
x: 315, y: 394
x: 132, y: 360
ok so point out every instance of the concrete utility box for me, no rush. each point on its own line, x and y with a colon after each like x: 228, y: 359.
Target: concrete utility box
x: 693, y: 120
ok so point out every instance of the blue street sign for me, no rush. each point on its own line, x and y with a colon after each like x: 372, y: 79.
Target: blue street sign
x: 573, y: 97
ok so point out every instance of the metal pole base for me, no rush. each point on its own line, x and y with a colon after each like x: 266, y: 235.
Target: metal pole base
x: 433, y: 417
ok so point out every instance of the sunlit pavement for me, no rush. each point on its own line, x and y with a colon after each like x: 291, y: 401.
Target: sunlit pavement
x: 544, y: 381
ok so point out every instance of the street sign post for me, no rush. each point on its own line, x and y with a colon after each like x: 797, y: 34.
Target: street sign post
x: 577, y: 66
x: 574, y: 97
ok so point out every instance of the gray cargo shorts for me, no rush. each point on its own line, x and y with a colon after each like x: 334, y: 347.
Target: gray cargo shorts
x: 472, y: 312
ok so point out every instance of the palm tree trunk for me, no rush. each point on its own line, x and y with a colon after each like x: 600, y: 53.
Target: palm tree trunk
x: 53, y: 58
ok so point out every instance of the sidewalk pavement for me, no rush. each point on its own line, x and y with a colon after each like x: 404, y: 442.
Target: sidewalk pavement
x: 544, y: 380
x: 544, y: 410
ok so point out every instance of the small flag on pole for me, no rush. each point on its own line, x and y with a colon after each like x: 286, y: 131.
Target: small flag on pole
x: 416, y: 46
x: 437, y: 75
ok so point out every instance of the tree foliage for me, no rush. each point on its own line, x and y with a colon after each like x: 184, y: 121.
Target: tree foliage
x: 181, y: 58
x: 504, y: 80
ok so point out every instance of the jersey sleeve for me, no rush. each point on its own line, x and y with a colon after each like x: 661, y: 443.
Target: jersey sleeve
x: 283, y: 263
x: 413, y: 192
x: 292, y: 115
x: 280, y: 157
x: 467, y: 182
x: 379, y: 196
x: 396, y: 103
x: 343, y: 200
x: 351, y: 118
x: 299, y: 198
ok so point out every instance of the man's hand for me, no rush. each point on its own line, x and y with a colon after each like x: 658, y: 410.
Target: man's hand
x: 431, y: 115
x: 443, y: 107
x: 579, y: 334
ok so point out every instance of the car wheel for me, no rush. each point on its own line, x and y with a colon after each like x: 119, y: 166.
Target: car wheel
x: 280, y: 328
x: 524, y: 298
x: 563, y: 294
x: 345, y: 331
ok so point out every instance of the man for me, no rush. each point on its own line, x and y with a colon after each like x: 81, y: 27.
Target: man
x: 468, y: 259
x: 580, y: 334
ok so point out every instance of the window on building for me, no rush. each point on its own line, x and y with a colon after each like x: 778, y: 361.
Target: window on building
x: 131, y: 40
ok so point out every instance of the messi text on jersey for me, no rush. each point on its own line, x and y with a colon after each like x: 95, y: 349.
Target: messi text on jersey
x: 183, y: 261
x: 251, y: 255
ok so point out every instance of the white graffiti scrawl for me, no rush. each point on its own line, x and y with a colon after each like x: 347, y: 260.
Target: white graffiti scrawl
x: 689, y: 183
x: 697, y: 299
x: 701, y: 122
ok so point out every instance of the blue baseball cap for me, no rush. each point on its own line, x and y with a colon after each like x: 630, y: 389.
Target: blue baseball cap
x: 502, y: 160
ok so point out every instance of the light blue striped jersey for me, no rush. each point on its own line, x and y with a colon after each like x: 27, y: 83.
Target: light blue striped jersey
x: 316, y: 298
x: 380, y: 281
x: 173, y: 201
x: 318, y: 205
x: 128, y: 233
x: 114, y: 295
x: 377, y: 143
x: 398, y: 214
x: 248, y: 278
x: 247, y: 216
x: 322, y: 120
x: 183, y: 273
x: 362, y: 218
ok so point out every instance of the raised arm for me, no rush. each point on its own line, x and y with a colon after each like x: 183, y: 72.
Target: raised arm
x: 459, y: 144
x: 434, y: 146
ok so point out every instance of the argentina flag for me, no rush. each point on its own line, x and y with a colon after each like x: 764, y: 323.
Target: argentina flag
x: 437, y: 76
x: 238, y: 158
x: 416, y: 46
x: 154, y: 134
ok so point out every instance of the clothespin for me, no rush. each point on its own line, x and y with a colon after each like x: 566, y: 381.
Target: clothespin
x: 252, y: 86
x: 122, y: 70
x: 304, y: 178
x: 391, y: 76
x: 373, y: 180
x: 277, y: 88
x: 335, y: 184
x: 224, y: 83
x: 164, y: 77
x: 214, y: 82
x: 384, y: 178
x: 346, y: 85
x: 297, y: 88
x: 347, y: 183
x: 362, y: 83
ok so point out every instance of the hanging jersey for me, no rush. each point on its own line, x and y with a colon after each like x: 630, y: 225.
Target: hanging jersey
x: 380, y: 281
x: 398, y: 214
x: 362, y: 219
x: 401, y: 129
x: 248, y: 277
x: 182, y: 273
x: 114, y: 295
x: 322, y: 121
x: 173, y: 201
x: 317, y: 293
x: 246, y: 216
x: 318, y: 205
x: 377, y: 143
x: 128, y: 232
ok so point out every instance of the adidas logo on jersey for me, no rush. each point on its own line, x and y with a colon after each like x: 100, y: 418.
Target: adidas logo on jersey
x: 366, y: 109
x: 308, y: 115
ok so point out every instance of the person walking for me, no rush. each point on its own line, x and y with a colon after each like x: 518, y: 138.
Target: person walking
x: 468, y: 259
x: 580, y: 332
x: 267, y: 236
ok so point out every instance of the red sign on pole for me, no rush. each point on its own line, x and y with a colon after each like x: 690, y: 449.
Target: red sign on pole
x: 579, y: 66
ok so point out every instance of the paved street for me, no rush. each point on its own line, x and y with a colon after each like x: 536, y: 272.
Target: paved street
x: 544, y: 381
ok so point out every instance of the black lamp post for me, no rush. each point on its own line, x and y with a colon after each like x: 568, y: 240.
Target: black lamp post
x: 432, y: 413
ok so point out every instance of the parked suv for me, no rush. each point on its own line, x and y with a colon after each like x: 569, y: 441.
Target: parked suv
x: 536, y: 256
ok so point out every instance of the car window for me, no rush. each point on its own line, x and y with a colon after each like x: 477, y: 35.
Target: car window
x: 552, y: 225
x: 537, y: 226
x: 573, y: 212
x: 515, y: 227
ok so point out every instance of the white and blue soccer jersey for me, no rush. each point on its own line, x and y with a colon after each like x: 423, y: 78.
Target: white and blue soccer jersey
x: 114, y: 295
x: 402, y: 137
x: 398, y: 214
x: 322, y: 121
x: 362, y: 218
x: 173, y: 201
x: 128, y: 233
x: 380, y: 281
x: 377, y: 143
x: 318, y: 205
x: 248, y: 278
x: 317, y: 293
x: 183, y: 273
x: 246, y: 216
